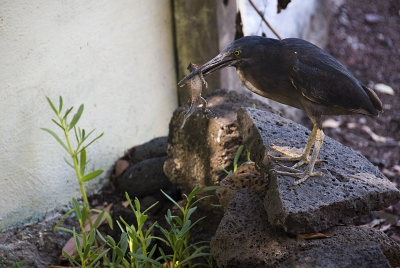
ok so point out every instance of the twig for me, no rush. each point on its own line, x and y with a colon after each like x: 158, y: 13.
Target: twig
x: 265, y: 21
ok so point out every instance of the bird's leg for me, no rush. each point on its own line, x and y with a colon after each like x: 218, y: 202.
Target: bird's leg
x: 309, y: 172
x: 303, y: 158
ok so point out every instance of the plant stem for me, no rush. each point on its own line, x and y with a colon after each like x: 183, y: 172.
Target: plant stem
x: 77, y: 169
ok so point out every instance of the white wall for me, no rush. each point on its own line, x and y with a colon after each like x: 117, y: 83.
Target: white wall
x: 116, y: 57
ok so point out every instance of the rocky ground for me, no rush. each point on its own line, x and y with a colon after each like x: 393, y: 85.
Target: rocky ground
x: 364, y: 36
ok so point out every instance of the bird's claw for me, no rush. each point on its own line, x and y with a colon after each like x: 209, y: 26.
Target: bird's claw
x: 302, y: 176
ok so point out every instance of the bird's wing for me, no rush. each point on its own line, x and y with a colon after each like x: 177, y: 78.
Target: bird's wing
x: 322, y: 79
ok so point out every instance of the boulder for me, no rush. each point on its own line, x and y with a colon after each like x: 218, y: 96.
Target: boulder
x: 350, y: 188
x: 198, y: 153
x: 245, y: 238
x: 140, y: 172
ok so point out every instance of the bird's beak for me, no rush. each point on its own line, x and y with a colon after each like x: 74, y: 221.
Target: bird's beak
x: 219, y: 62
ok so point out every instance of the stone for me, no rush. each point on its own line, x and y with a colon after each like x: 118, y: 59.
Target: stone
x: 373, y: 18
x: 245, y: 177
x: 198, y: 153
x: 350, y: 188
x: 140, y: 171
x: 245, y: 238
x: 144, y: 178
x: 154, y: 148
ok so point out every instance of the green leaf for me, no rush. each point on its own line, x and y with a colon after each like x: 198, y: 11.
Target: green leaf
x: 211, y: 188
x: 76, y: 117
x: 69, y: 163
x: 92, y: 175
x: 193, y: 193
x: 98, y: 137
x: 78, y: 140
x: 62, y: 229
x: 82, y: 162
x: 58, y: 124
x: 172, y: 200
x: 107, y: 215
x: 190, y: 212
x: 77, y: 208
x: 150, y: 207
x: 18, y: 264
x: 56, y: 137
x: 52, y: 105
x: 237, y: 155
x: 67, y: 113
x: 71, y: 259
x: 144, y: 258
x: 60, y: 105
x: 63, y: 218
x: 99, y: 218
x: 103, y: 253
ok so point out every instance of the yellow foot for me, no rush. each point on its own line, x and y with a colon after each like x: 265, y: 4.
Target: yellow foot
x: 302, y: 176
x: 292, y: 154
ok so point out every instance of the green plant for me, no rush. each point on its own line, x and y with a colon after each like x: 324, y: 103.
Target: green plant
x: 118, y: 251
x: 88, y: 254
x: 236, y: 159
x: 139, y: 241
x: 77, y: 154
x: 135, y: 248
x: 19, y: 264
x: 177, y: 237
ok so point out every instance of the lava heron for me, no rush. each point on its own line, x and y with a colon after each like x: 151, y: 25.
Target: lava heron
x: 299, y: 74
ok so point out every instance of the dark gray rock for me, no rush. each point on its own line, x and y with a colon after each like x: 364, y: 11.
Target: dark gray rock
x: 198, y: 153
x: 245, y: 238
x: 143, y: 178
x: 350, y: 187
x: 154, y: 148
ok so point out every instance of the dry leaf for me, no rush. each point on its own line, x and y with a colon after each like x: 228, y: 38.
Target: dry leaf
x: 95, y: 216
x: 351, y: 125
x: 315, y: 236
x: 125, y: 203
x: 388, y: 173
x: 69, y: 247
x: 396, y: 168
x: 382, y: 88
x: 375, y: 137
x: 120, y: 167
x: 331, y: 123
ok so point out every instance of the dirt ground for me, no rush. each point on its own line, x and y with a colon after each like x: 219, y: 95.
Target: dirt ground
x: 365, y: 37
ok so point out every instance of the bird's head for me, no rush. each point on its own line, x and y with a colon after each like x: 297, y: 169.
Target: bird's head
x: 233, y: 55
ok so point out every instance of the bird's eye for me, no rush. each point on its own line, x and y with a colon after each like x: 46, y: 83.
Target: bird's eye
x: 236, y: 52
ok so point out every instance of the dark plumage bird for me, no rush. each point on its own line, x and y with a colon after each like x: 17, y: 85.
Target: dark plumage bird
x: 297, y: 73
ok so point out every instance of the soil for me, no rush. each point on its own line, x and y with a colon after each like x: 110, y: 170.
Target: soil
x: 364, y: 36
